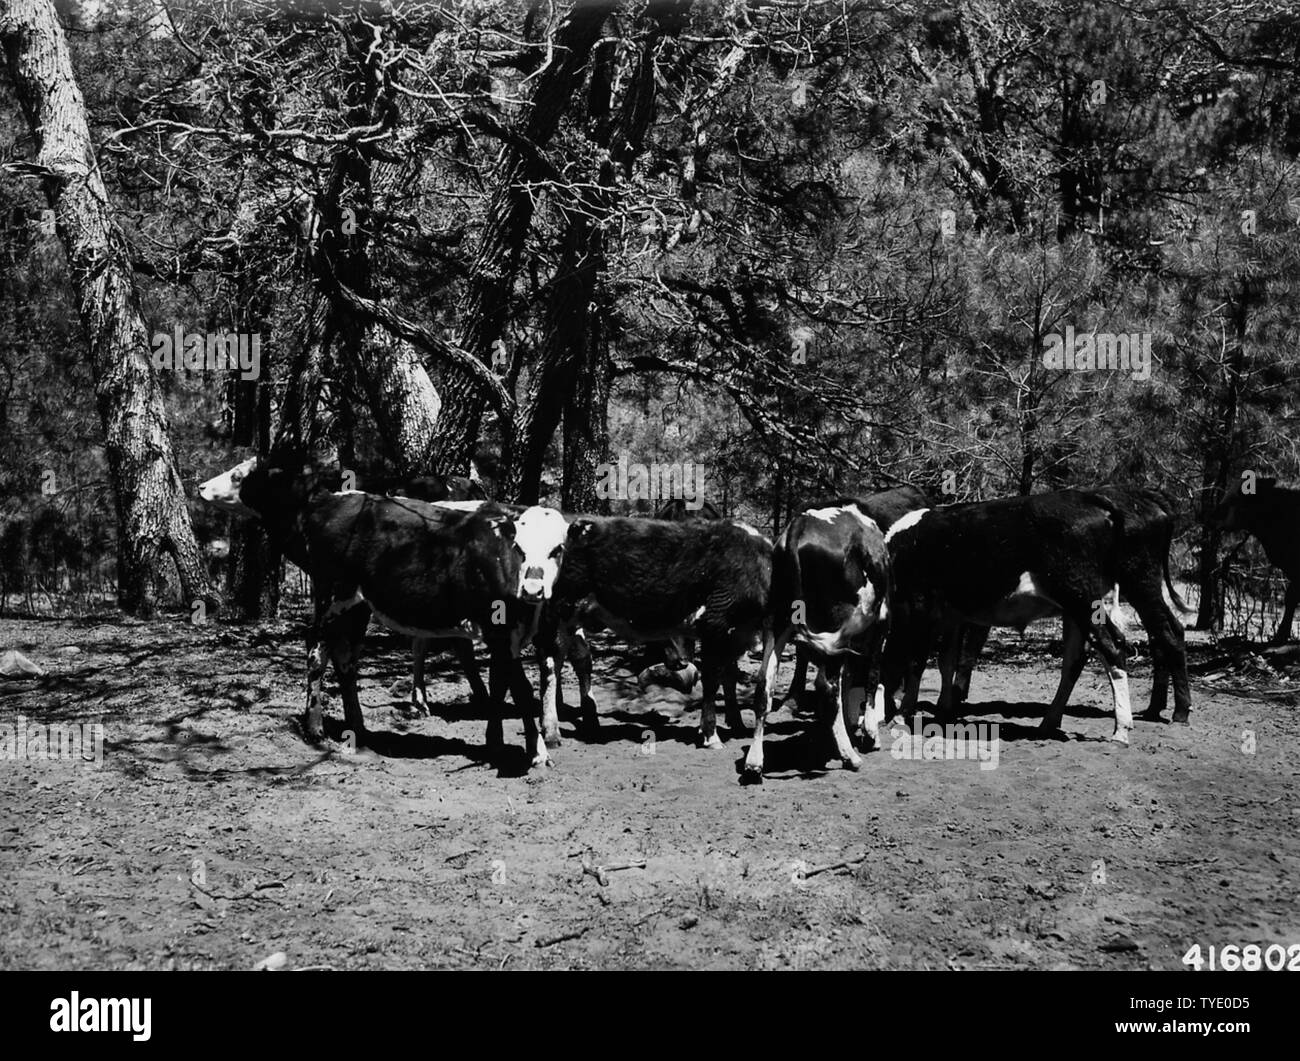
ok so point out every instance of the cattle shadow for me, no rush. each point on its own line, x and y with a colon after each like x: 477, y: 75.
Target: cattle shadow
x: 511, y: 760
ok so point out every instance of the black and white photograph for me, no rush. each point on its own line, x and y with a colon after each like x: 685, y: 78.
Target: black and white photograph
x: 651, y: 485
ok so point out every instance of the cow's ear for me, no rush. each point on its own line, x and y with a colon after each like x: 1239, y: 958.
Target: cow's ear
x: 502, y: 525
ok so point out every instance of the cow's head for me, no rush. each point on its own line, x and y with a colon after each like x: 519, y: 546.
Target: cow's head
x: 1239, y: 500
x: 262, y: 486
x: 540, y: 534
x: 224, y: 490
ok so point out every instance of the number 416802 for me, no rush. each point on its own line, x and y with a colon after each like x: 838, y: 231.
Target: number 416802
x: 1250, y: 958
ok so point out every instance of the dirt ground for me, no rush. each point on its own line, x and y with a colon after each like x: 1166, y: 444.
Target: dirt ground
x: 212, y: 836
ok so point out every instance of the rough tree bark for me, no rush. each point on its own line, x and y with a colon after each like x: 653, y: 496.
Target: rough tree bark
x: 510, y: 214
x: 397, y: 387
x: 152, y: 517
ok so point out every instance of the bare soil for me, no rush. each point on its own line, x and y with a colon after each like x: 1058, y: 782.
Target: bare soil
x: 212, y: 836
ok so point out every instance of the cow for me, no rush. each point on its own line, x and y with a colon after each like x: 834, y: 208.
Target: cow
x: 1007, y: 563
x: 830, y: 594
x: 1146, y: 538
x: 329, y: 473
x: 422, y: 569
x: 671, y: 661
x: 1260, y: 506
x: 653, y: 580
x: 885, y: 507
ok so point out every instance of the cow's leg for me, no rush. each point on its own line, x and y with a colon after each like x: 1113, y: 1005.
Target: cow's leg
x: 730, y: 679
x: 872, y: 714
x: 800, y: 679
x: 464, y: 649
x: 313, y: 725
x: 712, y: 666
x: 1168, y: 643
x: 840, y: 676
x: 419, y: 695
x: 344, y: 635
x: 1110, y: 644
x: 949, y: 655
x: 522, y: 693
x: 499, y: 659
x: 579, y: 653
x: 549, y: 666
x: 773, y: 643
x: 973, y: 638
x: 1283, y: 633
x: 912, y: 681
x: 1073, y: 653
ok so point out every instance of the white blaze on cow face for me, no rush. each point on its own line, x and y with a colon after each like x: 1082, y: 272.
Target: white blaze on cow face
x: 223, y: 490
x: 540, y: 534
x: 905, y: 523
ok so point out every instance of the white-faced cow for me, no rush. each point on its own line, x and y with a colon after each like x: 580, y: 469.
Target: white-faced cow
x: 653, y: 580
x: 1007, y: 563
x: 1146, y: 536
x: 830, y: 594
x: 425, y: 570
x: 1271, y: 512
x: 223, y: 491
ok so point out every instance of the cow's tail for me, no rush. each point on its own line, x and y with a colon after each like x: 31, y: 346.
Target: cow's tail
x: 1180, y: 607
x: 841, y: 641
x: 832, y: 643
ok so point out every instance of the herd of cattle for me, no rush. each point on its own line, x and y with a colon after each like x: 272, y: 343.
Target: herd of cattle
x: 864, y: 588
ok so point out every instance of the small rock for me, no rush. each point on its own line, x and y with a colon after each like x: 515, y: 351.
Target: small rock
x: 271, y: 962
x: 689, y: 921
x: 13, y: 664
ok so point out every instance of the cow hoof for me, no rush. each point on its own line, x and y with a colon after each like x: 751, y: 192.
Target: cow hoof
x: 751, y: 775
x: 1181, y: 718
x: 710, y: 742
x: 1151, y: 715
x: 1120, y: 736
x: 854, y: 764
x: 541, y: 759
x: 1052, y: 733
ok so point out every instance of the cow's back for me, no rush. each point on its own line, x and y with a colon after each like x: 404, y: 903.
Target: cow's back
x: 655, y: 572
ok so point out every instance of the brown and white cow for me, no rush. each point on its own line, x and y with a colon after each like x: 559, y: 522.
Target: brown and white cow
x: 654, y: 580
x: 830, y: 595
x: 1007, y: 563
x: 425, y: 570
x: 1146, y: 536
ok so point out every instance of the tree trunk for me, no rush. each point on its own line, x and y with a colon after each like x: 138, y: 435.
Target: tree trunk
x: 1220, y: 451
x: 510, y: 214
x: 152, y: 517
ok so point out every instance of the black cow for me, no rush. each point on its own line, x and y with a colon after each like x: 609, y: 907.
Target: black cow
x: 422, y: 569
x: 1007, y: 563
x: 671, y: 661
x: 830, y: 593
x: 652, y: 580
x: 885, y: 507
x: 1259, y: 506
x: 1146, y: 537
